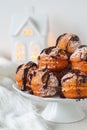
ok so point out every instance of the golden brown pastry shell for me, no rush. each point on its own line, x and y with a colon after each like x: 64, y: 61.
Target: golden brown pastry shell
x: 53, y: 64
x: 18, y: 77
x: 80, y: 65
x: 39, y: 90
x: 71, y: 89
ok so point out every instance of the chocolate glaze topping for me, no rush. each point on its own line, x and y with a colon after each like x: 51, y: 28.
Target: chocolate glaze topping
x: 58, y: 54
x: 55, y: 57
x: 45, y: 79
x: 29, y: 78
x: 74, y: 38
x: 25, y: 74
x: 24, y: 79
x: 79, y: 74
x: 81, y: 53
x: 82, y: 46
x: 38, y: 57
x: 60, y: 38
x: 84, y: 58
x: 79, y: 80
x: 31, y: 64
x: 19, y: 68
x: 67, y: 78
x: 71, y: 39
x: 59, y: 85
x: 47, y: 50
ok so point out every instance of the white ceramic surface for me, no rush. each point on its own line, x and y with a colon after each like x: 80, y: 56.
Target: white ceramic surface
x: 57, y: 110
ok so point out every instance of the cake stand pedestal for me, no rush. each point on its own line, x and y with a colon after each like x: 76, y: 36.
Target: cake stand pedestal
x: 58, y: 110
x: 62, y: 112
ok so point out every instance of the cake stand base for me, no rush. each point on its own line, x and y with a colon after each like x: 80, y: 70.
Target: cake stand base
x: 57, y: 110
x: 62, y: 112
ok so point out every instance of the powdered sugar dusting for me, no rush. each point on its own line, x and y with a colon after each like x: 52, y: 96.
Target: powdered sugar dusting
x: 50, y: 91
x: 54, y: 52
x: 75, y: 44
x: 52, y: 86
x: 81, y: 53
x: 53, y: 81
x: 68, y: 76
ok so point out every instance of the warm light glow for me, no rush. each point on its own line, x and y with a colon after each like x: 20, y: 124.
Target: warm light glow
x: 20, y: 45
x: 51, y: 39
x: 19, y: 58
x: 35, y: 51
x: 27, y: 32
x: 30, y: 32
x: 33, y: 57
x: 20, y: 52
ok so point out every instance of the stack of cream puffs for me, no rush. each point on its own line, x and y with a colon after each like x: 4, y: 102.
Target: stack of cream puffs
x: 61, y: 70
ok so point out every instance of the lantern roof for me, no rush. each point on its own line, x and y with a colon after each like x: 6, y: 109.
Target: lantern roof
x: 39, y: 23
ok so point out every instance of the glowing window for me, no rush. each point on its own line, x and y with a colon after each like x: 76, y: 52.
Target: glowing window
x: 27, y: 32
x: 20, y: 51
x: 35, y: 51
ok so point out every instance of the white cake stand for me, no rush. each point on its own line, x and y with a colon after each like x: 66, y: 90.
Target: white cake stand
x: 57, y: 110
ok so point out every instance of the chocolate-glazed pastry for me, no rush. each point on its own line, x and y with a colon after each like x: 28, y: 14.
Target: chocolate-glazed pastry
x: 61, y: 73
x: 79, y: 59
x: 68, y: 42
x: 74, y: 84
x: 53, y: 58
x: 24, y: 75
x: 44, y: 83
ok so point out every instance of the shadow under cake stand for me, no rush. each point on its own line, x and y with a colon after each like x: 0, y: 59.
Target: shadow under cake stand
x: 58, y: 110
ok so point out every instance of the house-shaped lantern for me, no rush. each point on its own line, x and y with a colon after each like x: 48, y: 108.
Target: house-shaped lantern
x: 29, y: 37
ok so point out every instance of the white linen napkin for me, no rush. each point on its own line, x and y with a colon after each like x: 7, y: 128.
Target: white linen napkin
x: 16, y: 112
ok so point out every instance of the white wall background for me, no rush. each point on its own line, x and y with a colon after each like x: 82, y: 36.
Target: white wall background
x: 64, y: 16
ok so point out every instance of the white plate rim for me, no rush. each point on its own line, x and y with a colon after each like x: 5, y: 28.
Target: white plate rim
x: 47, y: 99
